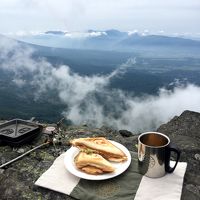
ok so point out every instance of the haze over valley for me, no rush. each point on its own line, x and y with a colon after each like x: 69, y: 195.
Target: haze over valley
x: 97, y: 86
x: 130, y: 65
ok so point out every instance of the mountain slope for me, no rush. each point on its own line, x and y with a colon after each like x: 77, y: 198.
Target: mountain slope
x: 158, y: 40
x: 108, y: 40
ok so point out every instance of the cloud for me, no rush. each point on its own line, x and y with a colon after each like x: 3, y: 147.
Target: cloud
x: 85, y: 34
x: 19, y: 82
x: 88, y: 99
x: 151, y: 111
x: 23, y: 33
x: 73, y: 35
x: 16, y: 57
x: 79, y: 15
x: 133, y: 32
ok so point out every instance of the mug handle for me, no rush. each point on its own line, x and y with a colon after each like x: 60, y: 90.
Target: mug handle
x: 171, y: 148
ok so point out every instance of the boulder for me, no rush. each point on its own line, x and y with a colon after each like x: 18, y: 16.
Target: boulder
x: 184, y: 131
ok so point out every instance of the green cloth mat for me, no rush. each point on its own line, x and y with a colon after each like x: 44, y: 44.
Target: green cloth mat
x: 121, y: 187
x: 130, y: 185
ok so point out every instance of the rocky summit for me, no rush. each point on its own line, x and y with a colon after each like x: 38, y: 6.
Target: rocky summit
x: 17, y: 180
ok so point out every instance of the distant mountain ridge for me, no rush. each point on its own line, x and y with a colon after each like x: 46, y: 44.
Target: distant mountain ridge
x: 108, y: 40
x: 55, y: 32
x: 159, y: 40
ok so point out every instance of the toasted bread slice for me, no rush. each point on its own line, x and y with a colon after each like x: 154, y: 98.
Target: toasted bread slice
x: 101, y: 146
x: 92, y: 163
x: 92, y: 170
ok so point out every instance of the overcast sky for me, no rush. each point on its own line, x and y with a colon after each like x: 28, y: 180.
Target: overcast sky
x: 171, y: 16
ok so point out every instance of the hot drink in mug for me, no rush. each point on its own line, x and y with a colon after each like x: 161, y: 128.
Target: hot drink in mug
x: 154, y: 152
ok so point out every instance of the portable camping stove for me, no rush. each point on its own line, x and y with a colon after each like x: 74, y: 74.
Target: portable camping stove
x: 53, y: 138
x: 18, y: 131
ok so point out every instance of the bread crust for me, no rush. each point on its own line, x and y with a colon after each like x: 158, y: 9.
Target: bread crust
x: 102, y: 146
x: 92, y: 163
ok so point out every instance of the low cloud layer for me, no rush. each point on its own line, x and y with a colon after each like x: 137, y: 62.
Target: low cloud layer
x: 88, y: 99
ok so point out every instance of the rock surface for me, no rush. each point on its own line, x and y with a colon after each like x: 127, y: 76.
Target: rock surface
x: 17, y: 180
x: 185, y: 132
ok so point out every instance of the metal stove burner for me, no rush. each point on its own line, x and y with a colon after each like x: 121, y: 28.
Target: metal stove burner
x: 7, y: 131
x: 23, y: 130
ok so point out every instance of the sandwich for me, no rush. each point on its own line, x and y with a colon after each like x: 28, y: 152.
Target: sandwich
x: 92, y: 163
x: 102, y: 146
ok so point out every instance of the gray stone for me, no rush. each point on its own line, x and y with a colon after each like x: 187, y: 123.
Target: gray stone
x: 194, y: 189
x: 21, y: 150
x: 125, y: 133
x: 197, y: 156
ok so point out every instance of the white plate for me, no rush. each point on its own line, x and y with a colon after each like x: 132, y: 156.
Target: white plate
x: 119, y: 167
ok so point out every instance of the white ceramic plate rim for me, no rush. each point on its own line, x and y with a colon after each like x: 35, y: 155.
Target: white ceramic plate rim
x: 120, y: 167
